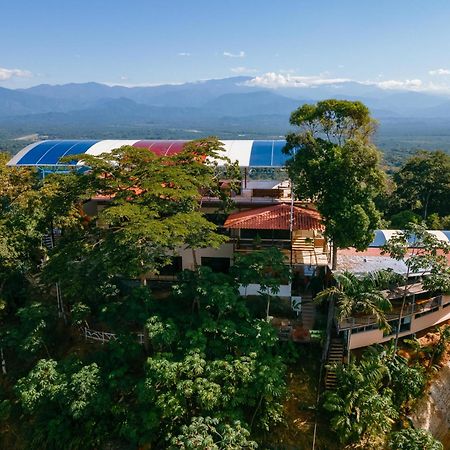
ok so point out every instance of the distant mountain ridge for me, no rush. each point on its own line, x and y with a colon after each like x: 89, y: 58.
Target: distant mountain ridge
x: 228, y: 107
x: 229, y: 95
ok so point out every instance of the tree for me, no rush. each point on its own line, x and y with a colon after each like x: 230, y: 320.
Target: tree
x: 421, y: 252
x: 152, y: 209
x: 266, y: 268
x: 361, y: 406
x: 403, y: 218
x: 335, y: 165
x: 206, y: 433
x: 371, y: 394
x: 423, y: 183
x: 414, y: 439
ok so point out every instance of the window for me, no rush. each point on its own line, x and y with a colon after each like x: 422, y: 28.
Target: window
x: 173, y: 268
x: 216, y: 264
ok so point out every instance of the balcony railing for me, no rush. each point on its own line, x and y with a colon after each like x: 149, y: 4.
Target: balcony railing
x: 244, y: 245
x: 431, y: 305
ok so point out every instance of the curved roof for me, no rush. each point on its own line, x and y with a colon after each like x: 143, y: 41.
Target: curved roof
x: 262, y: 153
x: 383, y: 236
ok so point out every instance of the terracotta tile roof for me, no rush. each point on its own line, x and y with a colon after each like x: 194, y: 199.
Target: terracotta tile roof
x: 275, y: 217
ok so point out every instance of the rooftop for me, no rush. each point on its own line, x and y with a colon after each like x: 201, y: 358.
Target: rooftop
x: 249, y: 153
x: 277, y: 217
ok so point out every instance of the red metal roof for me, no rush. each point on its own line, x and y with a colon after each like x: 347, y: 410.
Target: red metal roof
x: 275, y: 217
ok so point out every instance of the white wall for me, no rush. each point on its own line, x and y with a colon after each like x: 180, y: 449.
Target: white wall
x: 225, y: 251
x: 253, y: 289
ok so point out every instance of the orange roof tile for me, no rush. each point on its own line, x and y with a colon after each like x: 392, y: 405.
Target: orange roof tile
x: 275, y: 217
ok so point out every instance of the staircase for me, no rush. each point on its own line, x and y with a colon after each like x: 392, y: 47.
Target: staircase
x: 335, y: 356
x: 49, y: 239
x: 305, y: 252
x: 308, y: 313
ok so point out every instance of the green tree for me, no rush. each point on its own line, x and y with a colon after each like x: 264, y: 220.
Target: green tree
x: 206, y: 433
x: 423, y: 183
x: 361, y: 407
x: 403, y: 218
x: 414, y: 439
x: 352, y: 295
x: 267, y: 268
x: 335, y: 165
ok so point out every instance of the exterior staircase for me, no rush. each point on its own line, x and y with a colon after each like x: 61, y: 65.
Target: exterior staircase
x: 305, y: 252
x: 335, y: 356
x: 308, y: 313
x: 49, y: 239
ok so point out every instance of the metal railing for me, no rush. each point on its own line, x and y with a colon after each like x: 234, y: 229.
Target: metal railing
x: 104, y: 336
x: 409, y: 310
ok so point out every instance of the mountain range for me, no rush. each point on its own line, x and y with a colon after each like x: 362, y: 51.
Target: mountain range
x: 229, y: 107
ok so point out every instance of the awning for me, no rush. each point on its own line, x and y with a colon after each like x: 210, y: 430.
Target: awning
x: 277, y: 217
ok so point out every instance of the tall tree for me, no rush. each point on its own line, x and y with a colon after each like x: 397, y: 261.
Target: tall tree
x: 335, y: 165
x: 423, y: 183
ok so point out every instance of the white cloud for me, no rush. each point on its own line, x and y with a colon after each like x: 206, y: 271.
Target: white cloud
x: 184, y: 54
x: 411, y: 85
x: 278, y: 80
x: 6, y: 74
x: 275, y: 80
x: 241, y: 54
x: 439, y: 72
x: 242, y: 69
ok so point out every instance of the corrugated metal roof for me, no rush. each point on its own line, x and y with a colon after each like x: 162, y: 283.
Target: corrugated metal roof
x: 248, y: 153
x: 277, y: 217
x: 370, y: 260
x: 383, y: 236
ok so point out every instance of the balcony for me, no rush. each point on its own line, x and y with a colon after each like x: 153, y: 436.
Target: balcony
x: 419, y: 309
x: 364, y: 330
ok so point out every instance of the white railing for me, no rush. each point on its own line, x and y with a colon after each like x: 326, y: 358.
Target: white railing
x: 103, y: 336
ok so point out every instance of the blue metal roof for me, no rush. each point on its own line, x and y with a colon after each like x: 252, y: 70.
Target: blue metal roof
x: 249, y: 153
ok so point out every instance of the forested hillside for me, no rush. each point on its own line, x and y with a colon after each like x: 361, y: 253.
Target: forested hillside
x: 95, y: 355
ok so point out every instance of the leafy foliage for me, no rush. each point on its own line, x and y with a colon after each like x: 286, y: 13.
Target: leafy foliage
x: 370, y: 394
x: 206, y: 362
x: 413, y: 439
x: 352, y: 295
x: 205, y: 433
x: 423, y: 184
x: 335, y: 165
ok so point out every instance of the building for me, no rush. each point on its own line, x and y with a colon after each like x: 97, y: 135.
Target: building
x: 423, y: 309
x: 266, y: 215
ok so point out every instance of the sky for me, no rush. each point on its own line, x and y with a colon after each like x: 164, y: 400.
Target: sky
x: 401, y: 44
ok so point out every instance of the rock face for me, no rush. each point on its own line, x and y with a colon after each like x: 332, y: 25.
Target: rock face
x: 432, y: 412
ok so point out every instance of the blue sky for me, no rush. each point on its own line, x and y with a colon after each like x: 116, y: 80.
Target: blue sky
x: 395, y: 43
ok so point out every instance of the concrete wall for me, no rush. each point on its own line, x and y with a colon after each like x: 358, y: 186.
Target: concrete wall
x: 366, y: 338
x: 253, y: 289
x: 225, y: 251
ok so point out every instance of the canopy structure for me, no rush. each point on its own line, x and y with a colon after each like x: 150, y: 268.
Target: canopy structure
x: 383, y: 236
x: 248, y: 153
x: 277, y: 217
